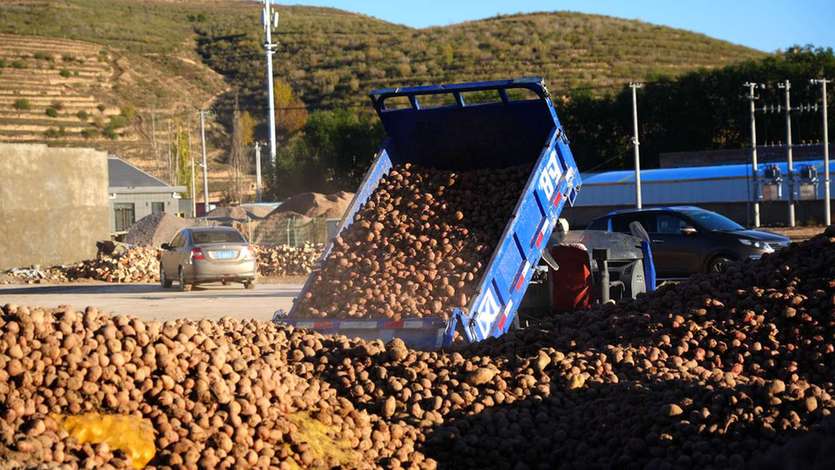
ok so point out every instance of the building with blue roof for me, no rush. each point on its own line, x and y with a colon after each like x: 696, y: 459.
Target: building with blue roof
x: 728, y: 189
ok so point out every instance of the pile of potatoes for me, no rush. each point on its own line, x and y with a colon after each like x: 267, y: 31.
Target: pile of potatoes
x: 418, y: 247
x: 712, y: 372
x: 716, y: 372
x: 217, y: 394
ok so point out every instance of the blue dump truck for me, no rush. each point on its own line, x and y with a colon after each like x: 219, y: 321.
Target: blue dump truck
x: 495, y: 124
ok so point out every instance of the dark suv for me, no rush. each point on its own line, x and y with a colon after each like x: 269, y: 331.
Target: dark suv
x: 688, y: 240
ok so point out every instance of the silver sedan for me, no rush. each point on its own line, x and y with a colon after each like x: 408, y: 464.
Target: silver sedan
x: 200, y: 255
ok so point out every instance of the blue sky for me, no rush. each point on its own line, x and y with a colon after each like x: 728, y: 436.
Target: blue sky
x: 767, y: 25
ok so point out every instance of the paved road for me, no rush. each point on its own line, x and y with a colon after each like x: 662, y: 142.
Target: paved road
x: 150, y: 301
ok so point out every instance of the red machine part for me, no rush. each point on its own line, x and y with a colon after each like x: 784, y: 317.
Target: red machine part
x: 571, y: 285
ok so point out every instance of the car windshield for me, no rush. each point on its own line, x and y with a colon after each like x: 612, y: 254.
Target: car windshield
x: 713, y: 221
x: 216, y: 236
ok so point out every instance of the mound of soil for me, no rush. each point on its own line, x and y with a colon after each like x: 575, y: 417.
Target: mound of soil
x: 155, y: 229
x: 332, y: 206
x: 228, y: 213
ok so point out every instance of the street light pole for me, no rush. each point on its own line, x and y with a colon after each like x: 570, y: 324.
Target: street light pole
x: 636, y: 144
x: 205, y: 165
x: 826, y: 197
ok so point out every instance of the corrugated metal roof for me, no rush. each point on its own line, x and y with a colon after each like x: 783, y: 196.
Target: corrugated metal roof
x: 122, y: 174
x: 691, y: 173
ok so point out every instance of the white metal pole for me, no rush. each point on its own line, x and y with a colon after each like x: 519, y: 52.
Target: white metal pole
x: 636, y: 144
x: 205, y: 165
x: 269, y: 48
x: 826, y: 196
x: 754, y: 166
x: 789, y: 157
x: 191, y: 156
x: 258, y: 171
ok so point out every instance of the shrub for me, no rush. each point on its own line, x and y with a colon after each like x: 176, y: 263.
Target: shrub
x: 22, y: 104
x: 101, y: 108
x: 82, y: 115
x: 117, y: 121
x: 128, y: 111
x: 43, y: 56
x: 18, y: 64
x: 2, y: 63
x: 110, y: 133
x: 51, y: 133
x: 64, y: 73
x: 68, y: 57
x: 89, y: 133
x: 52, y: 112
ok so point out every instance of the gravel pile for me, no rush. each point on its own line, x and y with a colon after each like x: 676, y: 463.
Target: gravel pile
x: 418, y: 246
x: 155, y: 229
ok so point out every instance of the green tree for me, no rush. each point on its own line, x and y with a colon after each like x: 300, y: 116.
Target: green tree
x: 182, y: 157
x: 332, y: 153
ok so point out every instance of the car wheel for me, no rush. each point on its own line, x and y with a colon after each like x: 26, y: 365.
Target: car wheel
x: 719, y: 264
x: 164, y: 281
x: 249, y: 285
x: 183, y: 285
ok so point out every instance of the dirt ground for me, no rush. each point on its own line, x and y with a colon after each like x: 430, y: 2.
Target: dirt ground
x: 150, y: 301
x: 797, y: 234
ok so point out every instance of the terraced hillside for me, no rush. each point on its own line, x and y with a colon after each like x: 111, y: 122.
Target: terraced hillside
x: 76, y: 93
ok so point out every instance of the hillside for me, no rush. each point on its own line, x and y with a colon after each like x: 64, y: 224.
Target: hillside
x: 332, y: 58
x: 137, y: 66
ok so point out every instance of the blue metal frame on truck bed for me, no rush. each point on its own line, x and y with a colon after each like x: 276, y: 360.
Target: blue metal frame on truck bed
x: 462, y: 136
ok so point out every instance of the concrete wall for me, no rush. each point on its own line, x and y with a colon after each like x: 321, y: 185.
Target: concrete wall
x: 142, y: 204
x: 53, y: 204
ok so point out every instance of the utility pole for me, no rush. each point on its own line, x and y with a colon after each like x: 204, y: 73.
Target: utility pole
x: 787, y: 85
x: 270, y: 20
x: 636, y: 144
x: 175, y: 168
x: 205, y: 165
x: 191, y: 156
x: 258, y: 171
x: 754, y: 166
x: 154, y: 138
x: 826, y: 202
